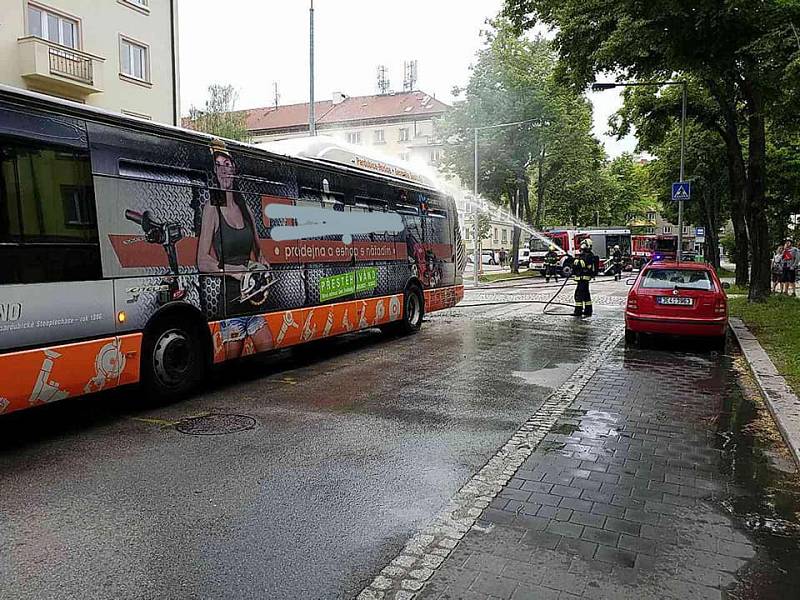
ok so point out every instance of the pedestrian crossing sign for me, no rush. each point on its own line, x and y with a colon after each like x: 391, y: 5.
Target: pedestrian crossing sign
x: 681, y: 190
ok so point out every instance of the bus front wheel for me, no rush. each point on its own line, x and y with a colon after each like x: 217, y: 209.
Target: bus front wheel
x: 172, y: 360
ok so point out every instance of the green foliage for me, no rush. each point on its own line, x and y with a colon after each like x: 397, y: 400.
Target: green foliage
x: 743, y: 56
x: 220, y: 117
x: 553, y: 157
x: 632, y: 194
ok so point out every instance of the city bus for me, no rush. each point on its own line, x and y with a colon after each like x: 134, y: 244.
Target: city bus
x: 133, y: 252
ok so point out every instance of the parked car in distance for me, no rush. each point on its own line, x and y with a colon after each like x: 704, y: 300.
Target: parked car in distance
x: 524, y: 258
x: 488, y: 257
x: 679, y: 299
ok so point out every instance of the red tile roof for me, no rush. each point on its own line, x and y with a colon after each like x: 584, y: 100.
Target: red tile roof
x: 356, y: 108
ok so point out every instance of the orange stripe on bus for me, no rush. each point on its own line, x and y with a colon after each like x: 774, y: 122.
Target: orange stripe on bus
x: 291, y: 327
x: 442, y: 298
x: 34, y: 377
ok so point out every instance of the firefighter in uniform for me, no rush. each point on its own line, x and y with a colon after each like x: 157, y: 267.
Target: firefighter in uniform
x: 584, y: 269
x: 616, y: 260
x: 551, y: 264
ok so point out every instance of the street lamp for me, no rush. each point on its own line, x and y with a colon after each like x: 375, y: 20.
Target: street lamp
x: 600, y: 87
x: 476, y: 254
x: 312, y: 117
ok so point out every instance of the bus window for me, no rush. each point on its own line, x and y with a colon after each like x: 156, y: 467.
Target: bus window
x: 48, y: 221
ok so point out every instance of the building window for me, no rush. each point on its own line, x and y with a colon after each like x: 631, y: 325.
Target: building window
x: 505, y: 235
x: 134, y: 60
x: 380, y: 136
x: 404, y: 137
x: 53, y: 27
x: 405, y: 156
x: 354, y: 137
x: 495, y: 234
x: 466, y: 233
x: 651, y: 216
x: 667, y: 229
x: 78, y: 206
x: 435, y: 156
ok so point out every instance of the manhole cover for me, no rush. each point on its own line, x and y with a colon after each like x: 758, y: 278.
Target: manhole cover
x: 216, y: 424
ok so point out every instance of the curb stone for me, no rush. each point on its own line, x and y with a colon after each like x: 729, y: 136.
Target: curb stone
x: 424, y: 552
x: 783, y: 404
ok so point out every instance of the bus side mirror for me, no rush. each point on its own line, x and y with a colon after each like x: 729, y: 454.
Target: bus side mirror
x: 726, y: 285
x: 630, y: 281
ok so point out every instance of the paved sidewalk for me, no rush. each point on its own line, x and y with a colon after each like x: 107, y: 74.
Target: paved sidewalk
x: 622, y: 499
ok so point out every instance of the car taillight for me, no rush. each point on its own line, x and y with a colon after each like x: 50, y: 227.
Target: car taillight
x: 720, y: 306
x: 633, y: 302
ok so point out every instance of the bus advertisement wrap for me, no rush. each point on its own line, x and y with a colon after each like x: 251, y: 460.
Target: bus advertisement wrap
x: 117, y: 225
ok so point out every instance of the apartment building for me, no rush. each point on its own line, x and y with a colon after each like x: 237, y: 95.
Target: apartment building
x: 397, y: 125
x: 120, y: 55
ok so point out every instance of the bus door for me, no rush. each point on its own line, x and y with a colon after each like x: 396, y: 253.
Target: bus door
x: 57, y: 319
x: 440, y: 268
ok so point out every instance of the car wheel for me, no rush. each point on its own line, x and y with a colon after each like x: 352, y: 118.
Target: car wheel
x: 566, y: 271
x: 172, y: 360
x: 631, y: 337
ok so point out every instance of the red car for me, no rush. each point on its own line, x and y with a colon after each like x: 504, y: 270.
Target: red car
x: 671, y: 298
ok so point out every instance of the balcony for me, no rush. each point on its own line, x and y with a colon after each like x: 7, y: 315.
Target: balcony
x: 52, y: 68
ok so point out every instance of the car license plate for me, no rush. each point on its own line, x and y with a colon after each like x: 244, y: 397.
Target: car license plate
x: 673, y: 301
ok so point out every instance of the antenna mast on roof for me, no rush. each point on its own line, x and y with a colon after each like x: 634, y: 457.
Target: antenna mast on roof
x: 276, y: 95
x: 383, y: 79
x: 410, y: 75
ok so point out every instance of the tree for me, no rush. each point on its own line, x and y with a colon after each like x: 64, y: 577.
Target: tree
x: 740, y: 51
x: 509, y: 84
x: 220, y: 117
x: 552, y: 154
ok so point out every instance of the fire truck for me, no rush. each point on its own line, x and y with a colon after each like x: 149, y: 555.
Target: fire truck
x: 645, y: 248
x: 568, y: 242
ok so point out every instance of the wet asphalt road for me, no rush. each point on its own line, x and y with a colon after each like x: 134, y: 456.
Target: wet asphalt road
x: 357, y: 443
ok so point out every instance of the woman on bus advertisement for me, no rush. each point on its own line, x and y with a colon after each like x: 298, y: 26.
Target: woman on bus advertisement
x: 228, y: 243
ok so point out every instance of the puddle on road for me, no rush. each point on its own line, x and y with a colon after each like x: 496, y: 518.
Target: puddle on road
x: 766, y: 497
x: 550, y: 376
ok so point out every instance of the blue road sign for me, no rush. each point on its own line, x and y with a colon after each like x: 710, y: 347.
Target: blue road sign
x: 681, y: 190
x: 700, y: 232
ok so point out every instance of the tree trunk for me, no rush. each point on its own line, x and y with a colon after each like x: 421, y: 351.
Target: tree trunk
x: 737, y: 178
x: 712, y: 210
x: 756, y: 212
x: 514, y: 201
x: 537, y: 222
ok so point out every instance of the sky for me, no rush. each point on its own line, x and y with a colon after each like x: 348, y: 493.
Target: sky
x: 251, y: 44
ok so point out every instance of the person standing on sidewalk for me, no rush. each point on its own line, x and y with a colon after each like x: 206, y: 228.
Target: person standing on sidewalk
x: 776, y: 269
x: 551, y: 264
x: 791, y: 257
x: 584, y: 269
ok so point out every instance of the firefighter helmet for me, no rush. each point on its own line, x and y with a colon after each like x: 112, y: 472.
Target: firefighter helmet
x: 586, y: 244
x: 553, y: 247
x: 616, y: 247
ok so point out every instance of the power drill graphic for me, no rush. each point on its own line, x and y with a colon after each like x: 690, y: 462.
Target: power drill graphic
x: 167, y: 235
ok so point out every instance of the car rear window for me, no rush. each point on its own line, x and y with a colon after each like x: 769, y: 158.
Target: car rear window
x: 681, y: 278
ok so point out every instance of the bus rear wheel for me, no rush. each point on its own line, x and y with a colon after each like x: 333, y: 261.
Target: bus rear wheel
x: 172, y: 360
x: 413, y: 312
